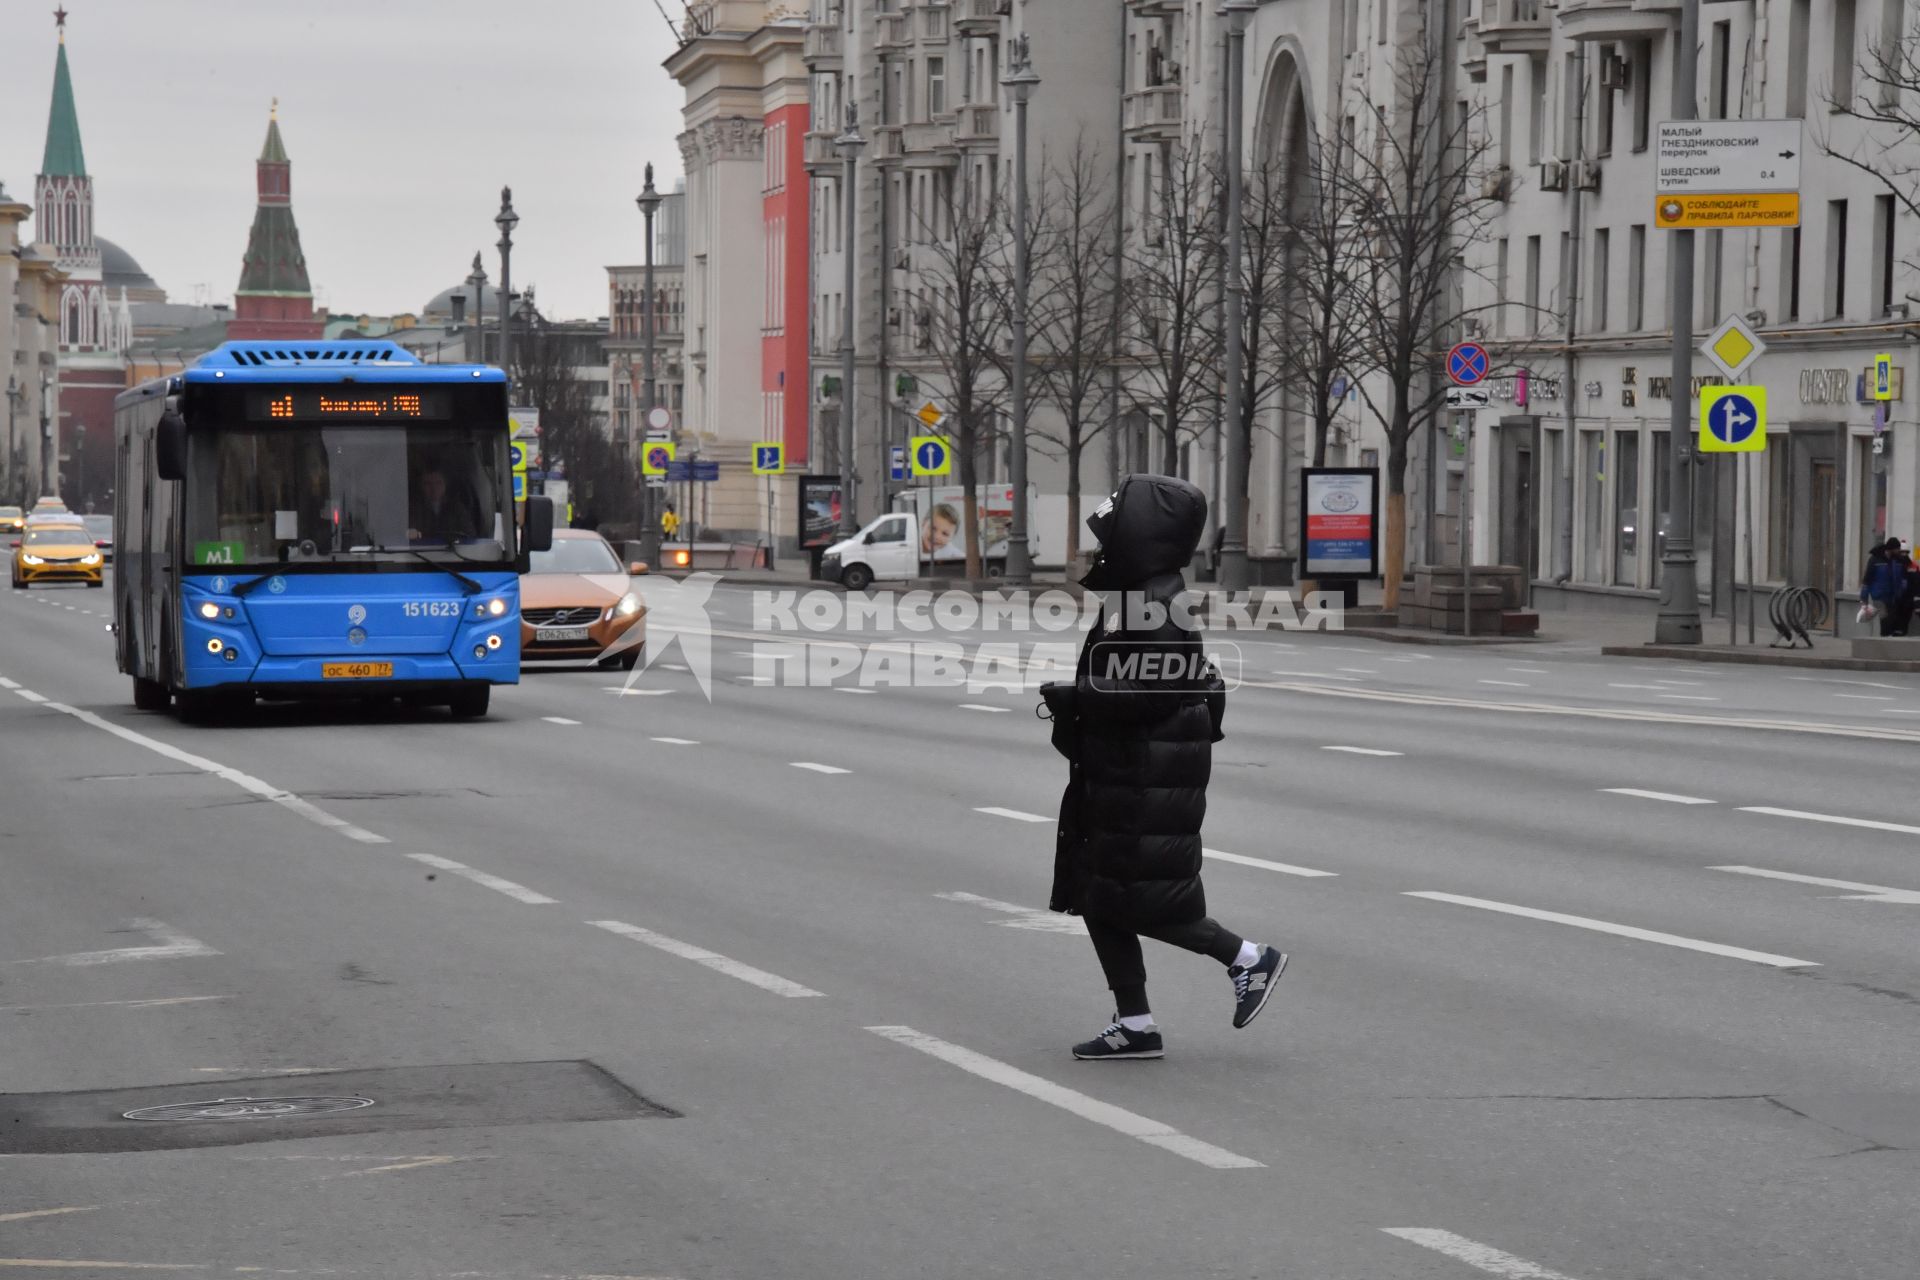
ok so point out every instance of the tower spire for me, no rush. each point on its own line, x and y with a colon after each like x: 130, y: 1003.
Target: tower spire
x: 63, y: 157
x: 275, y: 297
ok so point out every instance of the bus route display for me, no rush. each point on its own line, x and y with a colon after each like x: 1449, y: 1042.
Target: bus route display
x: 348, y: 404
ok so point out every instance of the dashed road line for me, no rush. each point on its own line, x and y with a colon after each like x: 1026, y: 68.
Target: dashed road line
x: 152, y: 1003
x: 1016, y: 814
x: 559, y: 720
x: 1620, y: 930
x: 1667, y: 796
x: 625, y: 692
x: 1364, y: 751
x: 711, y: 959
x: 1316, y: 675
x: 1687, y: 697
x: 1265, y: 864
x: 30, y: 695
x: 1839, y: 820
x: 1862, y: 697
x: 1479, y: 1256
x: 1031, y: 918
x: 1653, y: 687
x: 518, y: 892
x: 1153, y: 1132
x: 814, y: 767
x: 676, y: 742
x: 981, y: 706
x: 1509, y: 684
x: 47, y: 1213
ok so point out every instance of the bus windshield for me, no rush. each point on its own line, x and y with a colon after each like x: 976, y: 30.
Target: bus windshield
x: 292, y: 492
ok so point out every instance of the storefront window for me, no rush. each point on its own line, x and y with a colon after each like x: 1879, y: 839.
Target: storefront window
x: 1662, y: 486
x: 1627, y: 516
x: 1870, y: 471
x: 1593, y: 506
x: 1774, y: 512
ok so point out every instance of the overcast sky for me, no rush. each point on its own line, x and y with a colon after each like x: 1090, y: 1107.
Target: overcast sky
x: 402, y: 117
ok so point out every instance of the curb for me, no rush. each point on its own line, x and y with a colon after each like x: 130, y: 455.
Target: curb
x: 1394, y: 635
x: 1758, y: 658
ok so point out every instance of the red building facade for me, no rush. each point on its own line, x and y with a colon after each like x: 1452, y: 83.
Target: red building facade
x: 784, y: 338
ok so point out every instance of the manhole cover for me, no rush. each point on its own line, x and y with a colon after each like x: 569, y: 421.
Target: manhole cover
x: 249, y: 1109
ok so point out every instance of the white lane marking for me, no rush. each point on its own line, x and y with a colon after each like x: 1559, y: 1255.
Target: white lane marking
x: 1862, y: 697
x: 1867, y: 892
x: 518, y: 892
x: 1364, y: 751
x: 1687, y: 697
x: 1858, y: 684
x: 1015, y: 814
x: 153, y: 1003
x: 673, y: 666
x: 1668, y: 796
x: 1284, y: 868
x: 711, y: 959
x: 1532, y: 671
x: 1509, y: 684
x: 169, y: 944
x: 30, y: 695
x: 981, y: 706
x: 755, y: 679
x: 1899, y: 711
x: 7, y: 684
x: 625, y: 692
x: 845, y: 688
x: 1364, y: 671
x: 1316, y: 675
x: 246, y: 782
x: 1687, y: 683
x: 1154, y: 1132
x: 47, y: 1213
x: 559, y: 720
x: 1479, y: 1256
x: 1654, y: 687
x: 1023, y: 917
x: 817, y: 768
x: 1396, y: 659
x: 676, y: 742
x: 1620, y: 930
x: 1836, y: 819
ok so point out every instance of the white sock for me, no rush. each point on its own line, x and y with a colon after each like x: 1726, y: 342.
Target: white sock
x: 1143, y: 1022
x: 1249, y: 952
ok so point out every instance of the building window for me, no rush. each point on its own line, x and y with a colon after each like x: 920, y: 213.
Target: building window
x: 1506, y: 116
x: 1836, y: 259
x: 1778, y: 472
x: 1564, y: 266
x: 1719, y: 62
x: 1884, y: 260
x: 1533, y: 284
x: 1843, y: 50
x: 1537, y: 111
x: 1792, y: 273
x: 1593, y: 504
x: 1603, y: 107
x: 1798, y: 36
x: 1602, y: 282
x: 1637, y: 276
x: 1500, y: 287
x: 936, y: 86
x: 1640, y: 70
x: 1627, y: 516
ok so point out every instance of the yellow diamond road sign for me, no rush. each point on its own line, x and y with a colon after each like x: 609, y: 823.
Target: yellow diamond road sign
x: 930, y: 414
x: 1732, y: 347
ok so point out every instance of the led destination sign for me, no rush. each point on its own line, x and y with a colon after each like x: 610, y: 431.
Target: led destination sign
x: 348, y: 404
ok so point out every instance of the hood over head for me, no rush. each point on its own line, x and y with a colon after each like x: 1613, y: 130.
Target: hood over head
x: 1154, y: 527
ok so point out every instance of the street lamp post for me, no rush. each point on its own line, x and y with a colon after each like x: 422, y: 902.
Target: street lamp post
x: 15, y: 394
x: 1019, y: 82
x: 1233, y: 547
x: 649, y: 201
x: 477, y: 281
x: 506, y: 220
x: 849, y: 142
x: 49, y: 455
x: 1679, y: 620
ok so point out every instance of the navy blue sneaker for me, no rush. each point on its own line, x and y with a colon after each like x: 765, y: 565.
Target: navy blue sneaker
x: 1117, y: 1043
x: 1253, y: 984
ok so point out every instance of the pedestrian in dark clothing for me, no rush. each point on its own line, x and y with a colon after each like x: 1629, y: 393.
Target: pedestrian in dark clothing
x: 1909, y: 596
x: 1137, y: 724
x: 1882, y: 583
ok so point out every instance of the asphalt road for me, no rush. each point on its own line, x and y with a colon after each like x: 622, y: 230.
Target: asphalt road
x: 1601, y: 970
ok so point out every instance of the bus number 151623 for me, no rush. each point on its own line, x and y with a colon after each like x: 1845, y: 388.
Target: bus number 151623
x: 431, y: 608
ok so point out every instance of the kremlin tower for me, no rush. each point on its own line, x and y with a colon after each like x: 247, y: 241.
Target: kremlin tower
x: 275, y: 299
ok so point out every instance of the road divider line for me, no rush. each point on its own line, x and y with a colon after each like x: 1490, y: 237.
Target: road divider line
x: 981, y: 706
x: 1509, y: 684
x: 153, y: 1003
x: 518, y: 892
x: 1481, y: 1257
x: 1621, y: 930
x: 30, y: 695
x: 814, y: 767
x: 7, y: 684
x: 1862, y: 697
x: 1667, y: 796
x: 1688, y: 697
x: 625, y: 692
x: 1015, y: 814
x: 1284, y: 868
x: 1839, y: 820
x: 246, y: 782
x: 711, y: 959
x: 1866, y: 892
x: 559, y: 720
x: 676, y: 742
x: 1364, y: 751
x: 47, y: 1213
x: 1031, y: 918
x: 1132, y: 1125
x: 169, y: 944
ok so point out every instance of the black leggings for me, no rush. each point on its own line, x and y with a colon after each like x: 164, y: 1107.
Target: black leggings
x: 1126, y: 969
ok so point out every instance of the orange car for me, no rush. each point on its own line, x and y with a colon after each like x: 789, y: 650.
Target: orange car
x: 46, y: 552
x: 578, y: 604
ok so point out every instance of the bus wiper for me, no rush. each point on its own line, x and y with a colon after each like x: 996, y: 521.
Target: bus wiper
x: 471, y: 586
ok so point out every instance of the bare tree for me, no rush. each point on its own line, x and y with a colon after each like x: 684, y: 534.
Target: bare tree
x: 1072, y: 317
x: 1421, y: 188
x: 546, y: 369
x: 1172, y: 281
x: 961, y: 324
x: 1886, y: 101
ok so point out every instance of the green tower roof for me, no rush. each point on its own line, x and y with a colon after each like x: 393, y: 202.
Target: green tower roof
x: 275, y: 151
x: 63, y: 157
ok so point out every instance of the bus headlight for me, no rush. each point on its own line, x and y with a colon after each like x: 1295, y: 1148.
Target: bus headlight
x: 209, y: 610
x: 628, y: 606
x: 496, y: 607
x: 215, y: 645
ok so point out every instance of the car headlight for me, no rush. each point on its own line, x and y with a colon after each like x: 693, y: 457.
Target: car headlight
x: 628, y: 606
x: 92, y: 559
x: 27, y: 559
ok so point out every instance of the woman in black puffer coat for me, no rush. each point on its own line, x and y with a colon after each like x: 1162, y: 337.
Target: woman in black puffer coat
x: 1137, y: 725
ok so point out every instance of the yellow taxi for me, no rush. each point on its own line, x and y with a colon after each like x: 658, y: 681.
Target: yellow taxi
x: 48, y: 552
x: 11, y: 519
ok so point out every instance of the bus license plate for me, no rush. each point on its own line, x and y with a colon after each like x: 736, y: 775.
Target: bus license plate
x: 356, y: 670
x: 561, y: 633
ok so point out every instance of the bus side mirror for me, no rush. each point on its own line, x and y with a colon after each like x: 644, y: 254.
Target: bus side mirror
x: 538, y: 532
x: 170, y: 447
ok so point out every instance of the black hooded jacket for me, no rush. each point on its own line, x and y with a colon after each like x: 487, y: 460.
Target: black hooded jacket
x: 1128, y: 849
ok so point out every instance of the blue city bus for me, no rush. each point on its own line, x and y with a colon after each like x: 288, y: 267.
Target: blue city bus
x: 318, y: 519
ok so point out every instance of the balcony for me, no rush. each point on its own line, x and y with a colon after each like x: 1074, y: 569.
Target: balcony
x: 893, y: 30
x: 887, y: 143
x: 1618, y: 19
x: 1153, y: 113
x: 977, y: 124
x: 930, y: 142
x: 1515, y: 26
x: 820, y: 155
x: 980, y: 17
x: 822, y: 50
x: 935, y: 23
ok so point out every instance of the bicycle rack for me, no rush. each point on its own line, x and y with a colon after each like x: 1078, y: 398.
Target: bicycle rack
x: 1794, y: 611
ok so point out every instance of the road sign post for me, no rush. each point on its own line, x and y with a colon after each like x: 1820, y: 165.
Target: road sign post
x: 1679, y: 617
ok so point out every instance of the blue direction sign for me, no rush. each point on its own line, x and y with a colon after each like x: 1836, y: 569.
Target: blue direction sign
x: 1733, y: 419
x: 897, y: 462
x: 705, y: 472
x: 679, y: 472
x: 932, y: 456
x: 1467, y: 364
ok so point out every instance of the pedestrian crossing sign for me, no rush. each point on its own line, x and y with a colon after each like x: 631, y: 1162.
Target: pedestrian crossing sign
x: 769, y: 459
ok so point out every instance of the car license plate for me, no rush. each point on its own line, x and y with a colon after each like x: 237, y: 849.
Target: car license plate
x: 560, y: 633
x: 356, y: 670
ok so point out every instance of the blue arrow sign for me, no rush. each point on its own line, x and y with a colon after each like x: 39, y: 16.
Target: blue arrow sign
x: 1733, y: 419
x: 1467, y: 364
